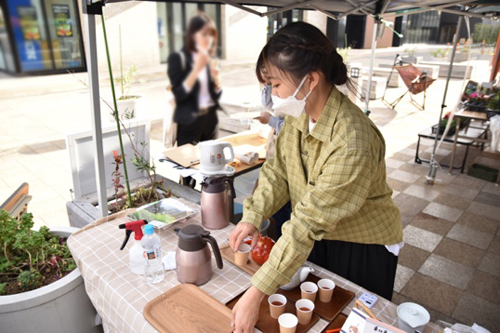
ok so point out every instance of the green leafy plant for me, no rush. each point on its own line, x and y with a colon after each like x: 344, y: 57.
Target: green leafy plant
x: 440, y: 53
x: 494, y: 103
x: 30, y: 259
x: 129, y: 78
x: 411, y: 51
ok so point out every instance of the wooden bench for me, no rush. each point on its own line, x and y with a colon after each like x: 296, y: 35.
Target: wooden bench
x: 17, y: 204
x: 474, y: 132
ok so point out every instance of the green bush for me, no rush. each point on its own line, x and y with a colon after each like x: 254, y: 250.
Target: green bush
x: 30, y: 258
x: 486, y: 32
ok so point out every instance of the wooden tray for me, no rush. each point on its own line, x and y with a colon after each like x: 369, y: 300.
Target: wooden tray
x: 187, y: 308
x: 251, y: 267
x: 336, y: 323
x: 268, y: 324
x: 328, y: 311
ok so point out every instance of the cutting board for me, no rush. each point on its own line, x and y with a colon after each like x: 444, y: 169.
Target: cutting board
x: 268, y: 324
x: 251, y: 267
x: 328, y: 311
x: 187, y: 308
x: 186, y: 155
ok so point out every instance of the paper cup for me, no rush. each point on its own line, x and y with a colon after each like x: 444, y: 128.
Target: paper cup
x: 326, y: 287
x: 288, y: 323
x: 305, y: 310
x: 241, y: 256
x: 308, y: 290
x: 277, y: 305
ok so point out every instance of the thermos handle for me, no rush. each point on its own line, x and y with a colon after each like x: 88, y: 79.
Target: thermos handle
x: 228, y: 145
x: 215, y: 248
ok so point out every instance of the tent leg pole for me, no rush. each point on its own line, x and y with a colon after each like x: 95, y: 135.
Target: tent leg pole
x: 370, y: 74
x: 95, y: 107
x: 433, y: 164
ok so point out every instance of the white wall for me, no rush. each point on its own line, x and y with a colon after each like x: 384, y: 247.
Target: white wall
x: 243, y: 33
x: 316, y: 18
x: 139, y: 36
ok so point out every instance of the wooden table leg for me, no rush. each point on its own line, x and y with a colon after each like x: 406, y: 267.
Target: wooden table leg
x: 453, y: 150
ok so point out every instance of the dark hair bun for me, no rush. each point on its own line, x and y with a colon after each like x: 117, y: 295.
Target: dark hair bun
x: 339, y: 70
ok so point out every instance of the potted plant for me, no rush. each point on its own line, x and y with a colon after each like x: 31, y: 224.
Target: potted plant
x: 39, y: 280
x: 129, y: 106
x: 439, y: 128
x: 410, y: 57
x: 476, y: 101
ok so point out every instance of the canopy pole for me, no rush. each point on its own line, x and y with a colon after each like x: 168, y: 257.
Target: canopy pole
x: 95, y: 107
x: 431, y: 177
x: 372, y: 59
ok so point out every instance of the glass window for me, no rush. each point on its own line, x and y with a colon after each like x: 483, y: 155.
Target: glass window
x: 161, y: 8
x: 178, y: 27
x: 191, y: 10
x: 30, y: 34
x: 64, y: 33
x: 6, y: 57
x: 211, y: 10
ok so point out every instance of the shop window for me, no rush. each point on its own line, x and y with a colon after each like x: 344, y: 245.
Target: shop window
x: 62, y: 17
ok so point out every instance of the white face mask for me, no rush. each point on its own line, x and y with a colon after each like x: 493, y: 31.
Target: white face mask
x: 291, y: 105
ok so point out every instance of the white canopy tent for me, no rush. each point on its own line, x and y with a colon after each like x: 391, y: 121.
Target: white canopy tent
x: 335, y: 9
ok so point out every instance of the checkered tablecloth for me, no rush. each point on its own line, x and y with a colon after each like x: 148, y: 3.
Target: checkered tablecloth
x: 120, y: 296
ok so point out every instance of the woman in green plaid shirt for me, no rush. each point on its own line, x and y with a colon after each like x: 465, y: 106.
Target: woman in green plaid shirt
x: 329, y: 162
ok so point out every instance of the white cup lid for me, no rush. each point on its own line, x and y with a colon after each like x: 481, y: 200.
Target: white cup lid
x: 413, y: 314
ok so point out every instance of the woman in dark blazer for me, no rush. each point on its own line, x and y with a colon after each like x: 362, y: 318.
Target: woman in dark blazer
x: 195, y: 83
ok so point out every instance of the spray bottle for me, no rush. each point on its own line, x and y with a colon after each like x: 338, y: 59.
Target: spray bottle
x: 136, y: 254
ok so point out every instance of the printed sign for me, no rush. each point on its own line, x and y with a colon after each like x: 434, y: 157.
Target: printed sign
x: 28, y: 22
x: 62, y: 20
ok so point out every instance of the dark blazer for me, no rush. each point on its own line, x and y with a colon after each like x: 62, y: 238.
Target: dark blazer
x: 187, y: 109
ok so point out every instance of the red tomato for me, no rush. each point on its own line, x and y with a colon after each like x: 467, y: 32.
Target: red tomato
x: 261, y: 251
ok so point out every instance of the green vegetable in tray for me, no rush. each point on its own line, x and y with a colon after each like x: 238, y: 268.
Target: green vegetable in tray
x: 145, y: 215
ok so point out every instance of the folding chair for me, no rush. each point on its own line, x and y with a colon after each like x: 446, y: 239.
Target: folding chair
x: 415, y: 80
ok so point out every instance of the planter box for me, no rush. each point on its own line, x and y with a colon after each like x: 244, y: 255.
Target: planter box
x: 377, y: 87
x: 395, y: 81
x: 60, y: 307
x: 458, y: 70
x: 84, y: 210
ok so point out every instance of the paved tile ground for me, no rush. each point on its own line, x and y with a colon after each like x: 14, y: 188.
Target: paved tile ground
x: 451, y: 261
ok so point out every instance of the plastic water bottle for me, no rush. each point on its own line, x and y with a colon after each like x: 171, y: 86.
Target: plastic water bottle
x: 154, y: 270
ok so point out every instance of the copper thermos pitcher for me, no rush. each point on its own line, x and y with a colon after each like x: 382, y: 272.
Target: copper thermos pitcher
x: 193, y: 256
x: 215, y: 202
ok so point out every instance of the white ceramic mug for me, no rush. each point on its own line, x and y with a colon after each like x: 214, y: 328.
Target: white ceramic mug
x: 212, y: 156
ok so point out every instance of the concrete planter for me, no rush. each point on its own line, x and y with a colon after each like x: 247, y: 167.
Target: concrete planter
x: 62, y: 306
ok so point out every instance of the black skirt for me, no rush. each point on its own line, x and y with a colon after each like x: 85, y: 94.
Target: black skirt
x: 370, y: 266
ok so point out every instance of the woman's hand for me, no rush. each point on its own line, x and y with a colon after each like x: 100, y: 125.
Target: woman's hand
x: 242, y: 230
x: 264, y: 118
x: 246, y: 311
x: 215, y: 73
x: 201, y: 61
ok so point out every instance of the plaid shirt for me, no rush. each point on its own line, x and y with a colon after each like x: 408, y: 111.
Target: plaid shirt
x: 335, y: 177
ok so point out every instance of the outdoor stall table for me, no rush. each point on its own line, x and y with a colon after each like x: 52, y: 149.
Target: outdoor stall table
x: 120, y: 296
x: 465, y: 115
x: 243, y: 141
